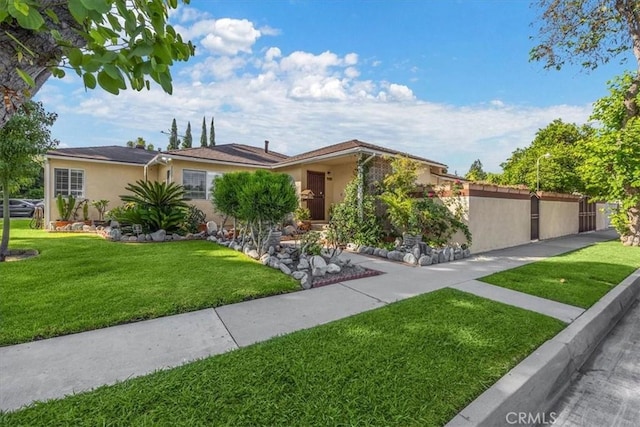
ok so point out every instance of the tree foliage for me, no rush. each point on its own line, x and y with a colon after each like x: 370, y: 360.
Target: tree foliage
x: 476, y: 173
x: 397, y: 187
x: 611, y: 159
x: 23, y: 141
x: 174, y: 142
x: 212, y: 135
x: 187, y: 141
x: 590, y: 33
x: 139, y: 142
x: 108, y: 43
x: 203, y: 134
x: 346, y: 225
x: 558, y: 172
x: 154, y: 205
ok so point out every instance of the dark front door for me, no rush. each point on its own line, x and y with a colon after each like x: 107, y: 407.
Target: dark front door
x: 315, y: 183
x: 535, y: 218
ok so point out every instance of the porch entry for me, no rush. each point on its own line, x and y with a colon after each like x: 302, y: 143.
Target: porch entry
x: 535, y: 217
x: 586, y: 215
x: 315, y: 182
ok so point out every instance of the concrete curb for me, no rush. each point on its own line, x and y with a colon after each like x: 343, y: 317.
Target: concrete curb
x: 525, y: 394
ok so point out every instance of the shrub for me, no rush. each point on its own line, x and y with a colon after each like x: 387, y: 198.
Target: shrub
x: 192, y: 219
x: 154, y: 205
x: 65, y: 207
x: 348, y: 224
x: 224, y: 194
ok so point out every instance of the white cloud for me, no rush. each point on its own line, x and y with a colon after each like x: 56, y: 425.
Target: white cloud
x: 299, y: 101
x: 223, y: 36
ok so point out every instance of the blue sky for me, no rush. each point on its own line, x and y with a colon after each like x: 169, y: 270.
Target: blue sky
x: 446, y: 80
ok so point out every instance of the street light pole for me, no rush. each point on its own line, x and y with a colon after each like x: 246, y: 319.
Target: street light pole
x: 546, y: 156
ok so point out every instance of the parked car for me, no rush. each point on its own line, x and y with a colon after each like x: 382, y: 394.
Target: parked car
x: 18, y: 208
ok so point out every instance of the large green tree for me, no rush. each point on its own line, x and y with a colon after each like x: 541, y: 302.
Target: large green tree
x: 476, y: 173
x: 203, y: 133
x: 591, y: 33
x: 555, y: 172
x: 109, y: 43
x: 212, y: 135
x: 611, y: 159
x: 187, y: 141
x: 26, y: 137
x: 174, y: 142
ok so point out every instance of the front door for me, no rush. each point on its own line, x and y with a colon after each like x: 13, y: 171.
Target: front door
x: 535, y: 217
x: 315, y: 183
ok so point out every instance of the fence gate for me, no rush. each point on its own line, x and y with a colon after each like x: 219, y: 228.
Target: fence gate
x: 535, y: 217
x: 586, y: 215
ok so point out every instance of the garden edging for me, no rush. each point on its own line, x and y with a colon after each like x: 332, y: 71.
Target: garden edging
x: 534, y: 385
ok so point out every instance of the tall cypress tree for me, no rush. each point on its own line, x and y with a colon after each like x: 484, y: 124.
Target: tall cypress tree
x: 173, y: 138
x: 203, y: 135
x: 212, y: 135
x: 188, y: 138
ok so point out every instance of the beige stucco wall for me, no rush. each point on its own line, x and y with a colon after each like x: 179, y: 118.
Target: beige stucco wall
x: 101, y: 181
x: 558, y: 218
x: 499, y: 223
x: 176, y: 168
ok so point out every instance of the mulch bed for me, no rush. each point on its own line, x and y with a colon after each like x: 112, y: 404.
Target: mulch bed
x: 20, y: 254
x: 343, y: 277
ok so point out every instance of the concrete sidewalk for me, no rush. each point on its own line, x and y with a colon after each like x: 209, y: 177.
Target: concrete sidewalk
x: 56, y: 367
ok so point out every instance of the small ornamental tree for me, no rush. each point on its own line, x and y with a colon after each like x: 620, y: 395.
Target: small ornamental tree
x: 611, y: 159
x: 23, y: 140
x: 224, y: 194
x: 396, y: 195
x: 264, y: 200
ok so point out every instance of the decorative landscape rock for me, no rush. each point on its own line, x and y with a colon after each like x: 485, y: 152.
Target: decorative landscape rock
x: 212, y: 228
x: 333, y: 268
x: 410, y: 259
x: 158, y: 236
x: 424, y: 260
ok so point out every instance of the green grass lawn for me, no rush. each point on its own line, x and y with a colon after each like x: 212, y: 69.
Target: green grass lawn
x: 415, y: 362
x: 81, y: 282
x: 577, y: 278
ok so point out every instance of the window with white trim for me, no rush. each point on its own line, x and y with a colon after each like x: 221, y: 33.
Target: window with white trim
x: 198, y: 184
x: 68, y: 182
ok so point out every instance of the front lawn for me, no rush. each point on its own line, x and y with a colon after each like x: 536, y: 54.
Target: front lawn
x: 414, y: 362
x: 81, y: 282
x: 578, y: 278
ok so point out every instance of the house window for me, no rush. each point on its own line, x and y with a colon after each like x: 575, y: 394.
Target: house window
x: 68, y: 182
x: 195, y: 184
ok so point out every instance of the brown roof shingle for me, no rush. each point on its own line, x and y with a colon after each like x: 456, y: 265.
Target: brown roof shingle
x: 232, y: 153
x: 349, y: 145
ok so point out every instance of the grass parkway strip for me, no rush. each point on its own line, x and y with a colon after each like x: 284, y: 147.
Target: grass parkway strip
x: 81, y: 282
x: 414, y: 362
x: 579, y: 278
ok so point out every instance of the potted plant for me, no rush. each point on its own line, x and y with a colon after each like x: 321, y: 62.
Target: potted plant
x: 302, y: 216
x: 65, y: 210
x: 101, y: 207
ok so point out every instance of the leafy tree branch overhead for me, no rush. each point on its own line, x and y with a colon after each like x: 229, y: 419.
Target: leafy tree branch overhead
x: 113, y: 44
x: 590, y: 33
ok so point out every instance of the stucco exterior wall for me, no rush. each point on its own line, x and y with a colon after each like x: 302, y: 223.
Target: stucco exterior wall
x: 101, y: 181
x: 558, y: 218
x: 176, y: 168
x: 499, y: 223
